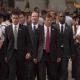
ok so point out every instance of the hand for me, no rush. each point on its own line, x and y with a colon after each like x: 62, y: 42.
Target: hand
x: 35, y: 60
x: 28, y: 56
x: 58, y: 60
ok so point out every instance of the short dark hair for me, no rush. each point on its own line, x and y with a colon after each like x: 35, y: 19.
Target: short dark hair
x: 15, y: 12
x: 35, y: 12
x: 22, y: 13
x: 48, y: 15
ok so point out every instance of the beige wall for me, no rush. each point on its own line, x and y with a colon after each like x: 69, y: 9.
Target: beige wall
x: 57, y: 5
x: 21, y: 4
x: 39, y: 3
x: 53, y: 4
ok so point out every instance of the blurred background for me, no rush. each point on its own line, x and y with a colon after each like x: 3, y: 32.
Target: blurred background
x: 26, y: 5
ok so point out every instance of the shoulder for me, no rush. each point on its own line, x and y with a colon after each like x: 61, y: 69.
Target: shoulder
x: 8, y: 27
x: 23, y: 27
x: 68, y: 26
x: 29, y: 25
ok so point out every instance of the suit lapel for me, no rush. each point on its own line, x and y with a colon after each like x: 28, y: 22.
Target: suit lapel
x: 19, y: 31
x: 58, y: 27
x: 66, y: 29
x: 52, y: 34
x: 31, y: 33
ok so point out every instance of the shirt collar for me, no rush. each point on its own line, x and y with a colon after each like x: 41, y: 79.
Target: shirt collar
x: 17, y: 26
x: 46, y: 27
x: 61, y: 24
x: 36, y: 26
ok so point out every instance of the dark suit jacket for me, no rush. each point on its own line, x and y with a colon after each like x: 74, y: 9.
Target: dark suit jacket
x: 67, y: 40
x: 53, y: 43
x: 23, y: 41
x: 34, y: 40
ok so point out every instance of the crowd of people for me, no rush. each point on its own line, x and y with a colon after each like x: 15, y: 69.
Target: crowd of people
x: 33, y: 44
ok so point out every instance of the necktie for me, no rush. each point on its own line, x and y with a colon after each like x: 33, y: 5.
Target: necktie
x: 47, y: 46
x: 15, y: 37
x: 62, y: 29
x: 34, y: 33
x: 34, y: 27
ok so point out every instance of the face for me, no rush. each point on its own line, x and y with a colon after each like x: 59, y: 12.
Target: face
x: 48, y: 21
x: 15, y: 19
x: 21, y: 19
x: 34, y: 17
x: 61, y: 18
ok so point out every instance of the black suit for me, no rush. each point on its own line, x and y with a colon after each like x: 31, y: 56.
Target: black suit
x: 34, y: 39
x: 16, y: 58
x: 47, y: 61
x: 31, y: 67
x: 66, y: 44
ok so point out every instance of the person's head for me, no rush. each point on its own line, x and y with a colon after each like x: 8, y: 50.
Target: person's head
x: 36, y: 9
x: 52, y: 13
x: 34, y: 17
x: 43, y: 13
x: 15, y: 17
x: 21, y: 17
x: 62, y: 18
x: 48, y: 20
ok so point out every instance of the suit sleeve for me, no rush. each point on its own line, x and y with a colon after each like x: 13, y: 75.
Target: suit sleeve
x: 57, y: 41
x: 28, y: 41
x: 71, y: 42
x: 5, y: 42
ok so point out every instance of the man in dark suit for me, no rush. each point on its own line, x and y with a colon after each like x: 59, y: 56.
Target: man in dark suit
x: 47, y: 49
x: 22, y: 19
x: 17, y: 47
x: 66, y: 44
x: 32, y: 62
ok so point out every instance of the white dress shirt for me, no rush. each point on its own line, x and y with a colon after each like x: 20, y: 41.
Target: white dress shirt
x: 36, y: 26
x: 78, y: 30
x: 60, y: 27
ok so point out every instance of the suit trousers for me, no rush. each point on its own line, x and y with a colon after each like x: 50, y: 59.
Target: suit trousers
x: 78, y: 64
x: 48, y: 67
x: 30, y: 70
x: 64, y: 66
x: 3, y: 65
x: 16, y: 67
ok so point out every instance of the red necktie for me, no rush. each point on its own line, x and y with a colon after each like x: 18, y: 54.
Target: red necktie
x: 47, y: 46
